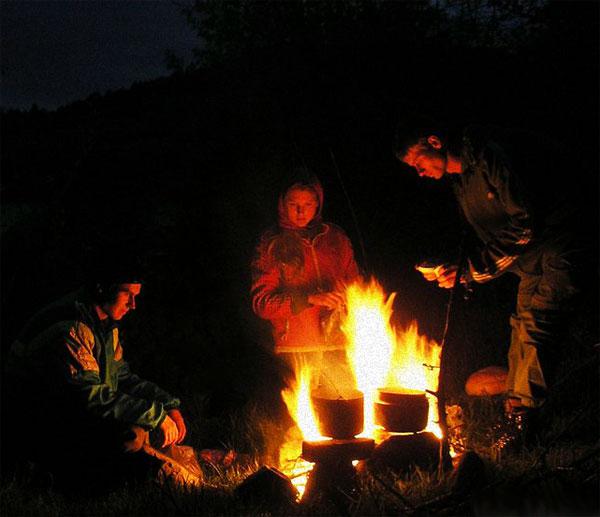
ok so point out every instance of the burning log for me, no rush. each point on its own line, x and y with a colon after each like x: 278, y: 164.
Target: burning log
x: 333, y: 473
x: 339, y: 415
x: 331, y: 451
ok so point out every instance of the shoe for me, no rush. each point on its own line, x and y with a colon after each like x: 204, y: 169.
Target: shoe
x: 517, y: 429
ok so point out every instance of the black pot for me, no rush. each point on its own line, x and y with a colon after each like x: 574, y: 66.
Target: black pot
x: 401, y: 411
x: 339, y: 414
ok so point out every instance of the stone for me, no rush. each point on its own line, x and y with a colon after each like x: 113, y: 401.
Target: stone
x: 400, y: 452
x: 487, y: 382
x: 268, y: 485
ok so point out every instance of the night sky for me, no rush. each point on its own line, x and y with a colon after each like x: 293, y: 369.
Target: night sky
x: 56, y: 52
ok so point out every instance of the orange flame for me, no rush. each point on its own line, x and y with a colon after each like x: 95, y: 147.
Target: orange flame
x: 297, y: 400
x: 370, y: 342
x: 380, y: 356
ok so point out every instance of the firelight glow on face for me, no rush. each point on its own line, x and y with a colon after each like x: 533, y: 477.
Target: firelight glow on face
x: 427, y: 161
x: 123, y: 302
x: 301, y: 206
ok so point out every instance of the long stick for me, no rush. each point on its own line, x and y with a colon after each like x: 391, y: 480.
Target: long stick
x: 352, y: 211
x: 441, y: 393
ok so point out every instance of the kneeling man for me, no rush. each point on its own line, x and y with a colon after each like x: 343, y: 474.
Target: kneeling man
x: 74, y: 405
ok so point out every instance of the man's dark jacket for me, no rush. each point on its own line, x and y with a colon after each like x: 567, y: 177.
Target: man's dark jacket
x: 67, y: 367
x: 514, y: 195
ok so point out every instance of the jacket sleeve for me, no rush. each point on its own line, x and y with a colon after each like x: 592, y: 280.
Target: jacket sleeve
x: 512, y: 240
x: 269, y: 300
x: 133, y: 385
x: 99, y: 398
x: 349, y: 266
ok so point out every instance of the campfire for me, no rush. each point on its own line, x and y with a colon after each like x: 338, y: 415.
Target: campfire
x: 395, y: 377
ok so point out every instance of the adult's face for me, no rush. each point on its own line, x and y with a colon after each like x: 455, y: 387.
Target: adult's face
x: 123, y: 302
x: 301, y: 206
x: 427, y: 158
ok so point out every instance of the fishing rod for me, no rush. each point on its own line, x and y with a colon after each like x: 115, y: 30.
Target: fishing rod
x: 441, y: 391
x: 346, y: 196
x: 352, y: 211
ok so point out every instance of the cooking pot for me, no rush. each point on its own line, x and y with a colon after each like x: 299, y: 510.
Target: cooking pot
x: 401, y: 410
x: 339, y: 413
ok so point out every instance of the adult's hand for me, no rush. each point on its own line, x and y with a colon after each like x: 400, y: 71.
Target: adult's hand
x: 429, y: 271
x: 447, y: 276
x: 443, y: 274
x: 332, y: 300
x: 169, y: 431
x: 177, y: 417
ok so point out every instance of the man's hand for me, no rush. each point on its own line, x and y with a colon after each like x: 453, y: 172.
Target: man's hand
x: 176, y: 416
x: 447, y: 276
x: 332, y: 300
x: 169, y: 431
x: 443, y: 274
x: 429, y: 271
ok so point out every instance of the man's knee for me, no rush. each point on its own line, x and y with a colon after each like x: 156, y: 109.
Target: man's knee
x: 568, y: 266
x: 134, y: 439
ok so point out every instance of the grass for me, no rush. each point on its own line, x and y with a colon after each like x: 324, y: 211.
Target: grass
x: 547, y: 478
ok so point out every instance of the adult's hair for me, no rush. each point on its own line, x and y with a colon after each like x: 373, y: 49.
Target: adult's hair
x: 299, y: 177
x: 108, y: 271
x: 414, y: 129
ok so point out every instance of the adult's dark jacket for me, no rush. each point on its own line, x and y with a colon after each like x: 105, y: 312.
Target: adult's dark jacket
x: 66, y: 369
x: 516, y: 193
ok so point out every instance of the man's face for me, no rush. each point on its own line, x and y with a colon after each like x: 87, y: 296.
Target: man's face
x: 427, y: 159
x: 301, y: 206
x: 123, y: 302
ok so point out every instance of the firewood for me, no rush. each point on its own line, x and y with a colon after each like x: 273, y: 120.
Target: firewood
x: 335, y: 451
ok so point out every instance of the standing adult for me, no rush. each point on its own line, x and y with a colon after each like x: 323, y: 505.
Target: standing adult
x: 512, y: 191
x: 298, y: 276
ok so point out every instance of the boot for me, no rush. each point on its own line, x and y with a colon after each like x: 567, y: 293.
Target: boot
x: 518, y: 428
